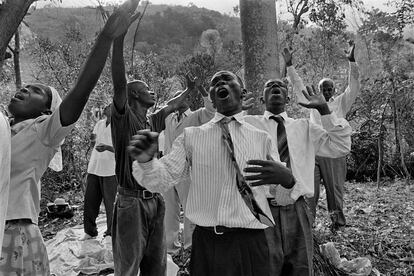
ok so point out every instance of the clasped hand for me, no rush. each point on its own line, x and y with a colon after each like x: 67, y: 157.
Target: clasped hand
x: 143, y: 146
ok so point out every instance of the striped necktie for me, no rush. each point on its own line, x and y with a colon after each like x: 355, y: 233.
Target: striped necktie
x: 282, y: 144
x: 244, y: 189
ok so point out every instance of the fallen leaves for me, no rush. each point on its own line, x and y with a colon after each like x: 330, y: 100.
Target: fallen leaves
x: 380, y: 227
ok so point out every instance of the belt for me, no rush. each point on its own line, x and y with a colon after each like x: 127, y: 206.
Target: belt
x: 17, y: 221
x: 220, y: 230
x: 144, y: 194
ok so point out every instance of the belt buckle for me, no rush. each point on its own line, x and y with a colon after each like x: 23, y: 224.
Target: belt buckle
x: 147, y: 194
x: 216, y: 232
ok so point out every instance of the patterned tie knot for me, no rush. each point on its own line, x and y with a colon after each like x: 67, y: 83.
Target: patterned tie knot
x: 279, y: 119
x: 226, y: 120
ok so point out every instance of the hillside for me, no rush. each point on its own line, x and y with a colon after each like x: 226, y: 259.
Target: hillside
x: 161, y: 27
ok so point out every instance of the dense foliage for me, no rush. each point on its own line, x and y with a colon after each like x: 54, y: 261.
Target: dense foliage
x: 172, y: 41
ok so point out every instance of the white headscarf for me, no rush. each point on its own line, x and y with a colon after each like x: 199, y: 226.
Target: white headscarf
x: 56, y: 162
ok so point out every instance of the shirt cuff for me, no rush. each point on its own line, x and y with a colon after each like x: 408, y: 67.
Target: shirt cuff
x: 329, y: 121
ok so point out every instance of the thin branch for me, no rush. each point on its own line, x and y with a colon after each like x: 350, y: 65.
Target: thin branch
x: 135, y: 35
x: 11, y: 49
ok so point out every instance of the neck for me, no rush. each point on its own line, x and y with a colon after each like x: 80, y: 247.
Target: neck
x: 139, y: 110
x: 231, y: 113
x: 276, y: 109
x: 17, y: 120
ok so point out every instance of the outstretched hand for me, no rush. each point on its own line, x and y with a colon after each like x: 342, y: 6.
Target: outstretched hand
x: 191, y: 82
x: 316, y: 101
x: 120, y: 20
x: 287, y: 56
x: 268, y: 172
x: 350, y: 53
x: 143, y: 146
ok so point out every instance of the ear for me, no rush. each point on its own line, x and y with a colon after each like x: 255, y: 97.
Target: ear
x: 262, y: 100
x: 287, y: 99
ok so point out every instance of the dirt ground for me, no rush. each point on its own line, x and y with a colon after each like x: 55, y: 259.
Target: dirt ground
x: 380, y: 226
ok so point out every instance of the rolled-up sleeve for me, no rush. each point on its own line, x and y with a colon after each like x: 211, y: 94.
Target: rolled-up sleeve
x: 333, y: 139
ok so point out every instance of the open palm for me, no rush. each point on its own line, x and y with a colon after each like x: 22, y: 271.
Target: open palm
x: 315, y: 100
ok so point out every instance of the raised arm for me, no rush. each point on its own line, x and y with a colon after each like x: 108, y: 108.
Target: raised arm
x: 333, y: 137
x: 174, y: 103
x: 118, y: 74
x: 347, y: 99
x: 117, y: 24
x: 295, y: 79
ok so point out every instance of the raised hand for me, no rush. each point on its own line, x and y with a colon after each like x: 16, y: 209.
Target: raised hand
x: 120, y: 20
x: 248, y: 100
x: 316, y: 101
x: 191, y: 82
x: 287, y: 56
x: 350, y: 53
x: 143, y: 146
x: 268, y: 172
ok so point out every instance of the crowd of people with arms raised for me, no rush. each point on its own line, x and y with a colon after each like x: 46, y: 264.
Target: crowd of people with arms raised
x: 248, y: 184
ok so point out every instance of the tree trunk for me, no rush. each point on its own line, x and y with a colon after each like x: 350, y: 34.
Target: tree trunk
x: 260, y: 53
x: 397, y: 141
x: 11, y: 14
x: 16, y: 59
x: 399, y: 151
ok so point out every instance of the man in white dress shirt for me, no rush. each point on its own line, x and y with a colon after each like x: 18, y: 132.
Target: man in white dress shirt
x: 175, y: 123
x: 298, y: 143
x: 229, y: 237
x: 332, y: 169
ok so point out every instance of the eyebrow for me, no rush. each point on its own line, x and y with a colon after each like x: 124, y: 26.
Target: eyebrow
x: 221, y: 76
x: 271, y: 83
x: 37, y: 89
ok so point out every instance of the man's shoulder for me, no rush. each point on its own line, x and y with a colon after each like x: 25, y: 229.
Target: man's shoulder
x: 252, y: 127
x: 253, y: 119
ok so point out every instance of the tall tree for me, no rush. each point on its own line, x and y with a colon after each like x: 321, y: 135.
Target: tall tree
x: 259, y: 35
x: 11, y: 14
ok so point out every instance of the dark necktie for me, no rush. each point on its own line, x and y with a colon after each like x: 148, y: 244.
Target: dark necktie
x: 244, y: 189
x: 282, y: 145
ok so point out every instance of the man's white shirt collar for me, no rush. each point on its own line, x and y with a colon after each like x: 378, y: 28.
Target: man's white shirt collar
x: 268, y: 114
x: 239, y: 117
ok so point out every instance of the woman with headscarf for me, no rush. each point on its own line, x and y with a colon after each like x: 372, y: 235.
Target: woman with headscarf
x: 40, y: 121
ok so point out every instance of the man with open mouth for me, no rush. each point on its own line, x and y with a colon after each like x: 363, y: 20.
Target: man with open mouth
x: 298, y: 141
x: 230, y: 215
x: 330, y: 169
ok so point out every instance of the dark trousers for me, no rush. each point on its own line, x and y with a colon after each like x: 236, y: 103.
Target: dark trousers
x: 240, y: 253
x: 138, y: 238
x: 290, y: 240
x: 98, y: 188
x: 333, y: 173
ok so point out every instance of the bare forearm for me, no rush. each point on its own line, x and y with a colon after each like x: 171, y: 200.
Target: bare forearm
x: 73, y: 104
x: 174, y: 103
x: 118, y: 73
x: 202, y: 91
